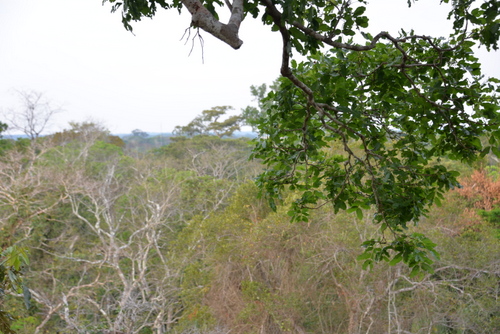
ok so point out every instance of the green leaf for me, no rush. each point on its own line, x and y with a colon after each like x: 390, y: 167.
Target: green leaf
x: 398, y: 258
x: 415, y: 271
x: 368, y: 264
x: 364, y: 256
x: 359, y: 11
x: 359, y: 213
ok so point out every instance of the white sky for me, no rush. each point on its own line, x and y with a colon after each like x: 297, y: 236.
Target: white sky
x: 79, y: 55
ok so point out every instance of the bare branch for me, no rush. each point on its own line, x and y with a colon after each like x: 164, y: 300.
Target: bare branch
x: 35, y: 115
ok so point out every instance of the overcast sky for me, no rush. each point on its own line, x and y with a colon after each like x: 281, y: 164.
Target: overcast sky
x: 79, y: 55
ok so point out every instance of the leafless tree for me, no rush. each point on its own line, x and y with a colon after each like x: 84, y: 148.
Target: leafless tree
x: 34, y: 115
x: 126, y: 229
x: 222, y: 161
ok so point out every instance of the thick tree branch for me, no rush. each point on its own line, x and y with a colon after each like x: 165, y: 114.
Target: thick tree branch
x: 228, y: 33
x: 285, y: 35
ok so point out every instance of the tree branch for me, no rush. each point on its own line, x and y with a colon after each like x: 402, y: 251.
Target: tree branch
x: 228, y: 33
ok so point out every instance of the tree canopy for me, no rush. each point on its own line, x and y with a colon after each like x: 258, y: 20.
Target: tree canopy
x: 395, y: 104
x: 177, y: 240
x: 209, y: 123
x: 139, y: 133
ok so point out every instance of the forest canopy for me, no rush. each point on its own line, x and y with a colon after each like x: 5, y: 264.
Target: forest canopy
x: 371, y: 148
x: 176, y: 240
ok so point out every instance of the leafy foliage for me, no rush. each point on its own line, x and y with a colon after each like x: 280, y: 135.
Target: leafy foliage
x: 4, y: 144
x: 390, y: 134
x: 395, y: 105
x: 208, y: 124
x: 363, y: 132
x: 251, y: 115
x: 12, y: 260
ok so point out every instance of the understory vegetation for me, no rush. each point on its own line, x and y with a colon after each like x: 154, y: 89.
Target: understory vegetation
x: 179, y: 240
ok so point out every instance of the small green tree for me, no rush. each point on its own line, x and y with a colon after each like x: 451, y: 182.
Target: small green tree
x: 208, y: 123
x: 139, y: 133
x: 3, y: 127
x: 4, y: 143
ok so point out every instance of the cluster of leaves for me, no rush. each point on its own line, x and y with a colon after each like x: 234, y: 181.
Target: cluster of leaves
x: 12, y: 261
x: 338, y: 20
x: 485, y: 19
x: 251, y: 115
x: 135, y: 10
x: 395, y: 112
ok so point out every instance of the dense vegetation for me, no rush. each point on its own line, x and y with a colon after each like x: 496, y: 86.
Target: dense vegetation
x: 395, y: 103
x: 177, y: 240
x: 369, y: 129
